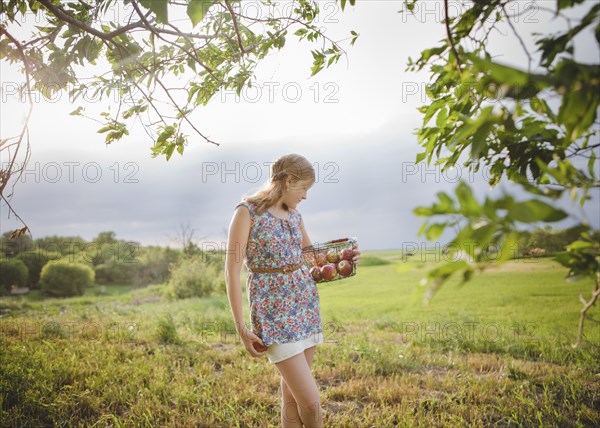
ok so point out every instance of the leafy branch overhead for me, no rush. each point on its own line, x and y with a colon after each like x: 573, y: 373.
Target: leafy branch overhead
x: 536, y: 126
x: 149, y: 58
x: 151, y: 62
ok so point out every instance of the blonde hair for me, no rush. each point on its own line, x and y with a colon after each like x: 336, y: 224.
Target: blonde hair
x: 293, y: 165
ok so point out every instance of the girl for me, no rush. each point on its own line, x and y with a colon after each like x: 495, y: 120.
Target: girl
x: 268, y: 234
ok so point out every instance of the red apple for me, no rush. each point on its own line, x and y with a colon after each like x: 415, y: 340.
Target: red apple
x: 328, y: 272
x: 321, y: 259
x: 316, y: 273
x: 332, y: 256
x: 347, y: 254
x: 344, y: 268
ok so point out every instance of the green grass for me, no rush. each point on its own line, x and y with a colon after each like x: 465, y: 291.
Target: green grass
x: 494, y: 352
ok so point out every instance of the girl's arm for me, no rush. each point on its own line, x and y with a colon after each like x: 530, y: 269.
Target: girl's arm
x: 239, y: 229
x: 305, y: 239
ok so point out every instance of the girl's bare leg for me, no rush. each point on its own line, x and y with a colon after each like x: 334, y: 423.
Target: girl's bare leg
x: 290, y: 416
x: 300, y: 401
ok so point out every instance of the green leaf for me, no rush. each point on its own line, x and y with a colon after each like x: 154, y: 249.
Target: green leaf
x: 468, y: 204
x: 318, y: 63
x: 423, y: 211
x: 420, y: 157
x: 561, y: 4
x: 441, y: 118
x: 159, y: 7
x: 483, y: 234
x: 448, y: 268
x: 565, y: 258
x: 446, y: 203
x: 435, y: 230
x: 428, y: 53
x: 578, y: 245
x: 541, y: 106
x: 508, y: 82
x: 535, y: 210
x: 578, y: 108
x: 507, y: 249
x: 76, y: 112
x: 591, y: 165
x: 499, y: 72
x: 197, y: 9
x: 343, y: 3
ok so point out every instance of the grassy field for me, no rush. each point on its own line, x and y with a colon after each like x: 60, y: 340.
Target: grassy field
x: 494, y: 352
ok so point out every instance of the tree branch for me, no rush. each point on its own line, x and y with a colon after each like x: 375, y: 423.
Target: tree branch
x: 235, y: 26
x: 161, y: 84
x: 529, y: 59
x: 586, y: 307
x: 188, y: 35
x: 64, y: 16
x: 153, y: 30
x: 27, y: 117
x: 449, y: 34
x: 576, y: 150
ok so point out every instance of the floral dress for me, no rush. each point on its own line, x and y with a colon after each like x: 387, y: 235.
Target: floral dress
x: 284, y: 307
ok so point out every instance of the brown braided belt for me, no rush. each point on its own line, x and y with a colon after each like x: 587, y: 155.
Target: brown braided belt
x: 284, y: 269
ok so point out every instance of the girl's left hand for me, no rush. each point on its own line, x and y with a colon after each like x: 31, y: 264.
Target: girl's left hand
x: 356, y: 257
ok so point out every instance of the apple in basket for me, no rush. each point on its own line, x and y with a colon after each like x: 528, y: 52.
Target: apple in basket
x: 328, y: 272
x: 332, y: 255
x: 321, y: 259
x: 316, y: 273
x: 344, y: 268
x: 346, y: 254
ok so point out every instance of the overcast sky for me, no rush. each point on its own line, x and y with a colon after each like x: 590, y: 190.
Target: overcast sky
x: 354, y: 121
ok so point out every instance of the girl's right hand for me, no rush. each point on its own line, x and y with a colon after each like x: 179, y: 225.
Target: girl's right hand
x: 253, y: 343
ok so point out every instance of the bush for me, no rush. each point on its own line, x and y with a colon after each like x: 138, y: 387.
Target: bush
x: 196, y: 276
x: 78, y: 258
x: 63, y: 279
x: 152, y: 266
x: 113, y: 273
x: 35, y: 261
x: 12, y: 272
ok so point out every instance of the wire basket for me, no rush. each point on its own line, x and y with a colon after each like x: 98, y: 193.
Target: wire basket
x: 331, y: 260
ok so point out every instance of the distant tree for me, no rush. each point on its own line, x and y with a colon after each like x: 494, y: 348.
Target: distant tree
x: 554, y: 240
x: 106, y: 238
x: 14, y: 273
x: 35, y: 261
x: 185, y: 239
x: 11, y: 247
x: 64, y: 245
x: 152, y: 265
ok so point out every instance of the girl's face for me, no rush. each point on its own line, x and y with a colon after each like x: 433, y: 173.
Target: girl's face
x: 298, y: 191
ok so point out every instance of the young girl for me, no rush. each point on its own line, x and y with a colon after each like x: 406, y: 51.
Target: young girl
x: 268, y: 234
